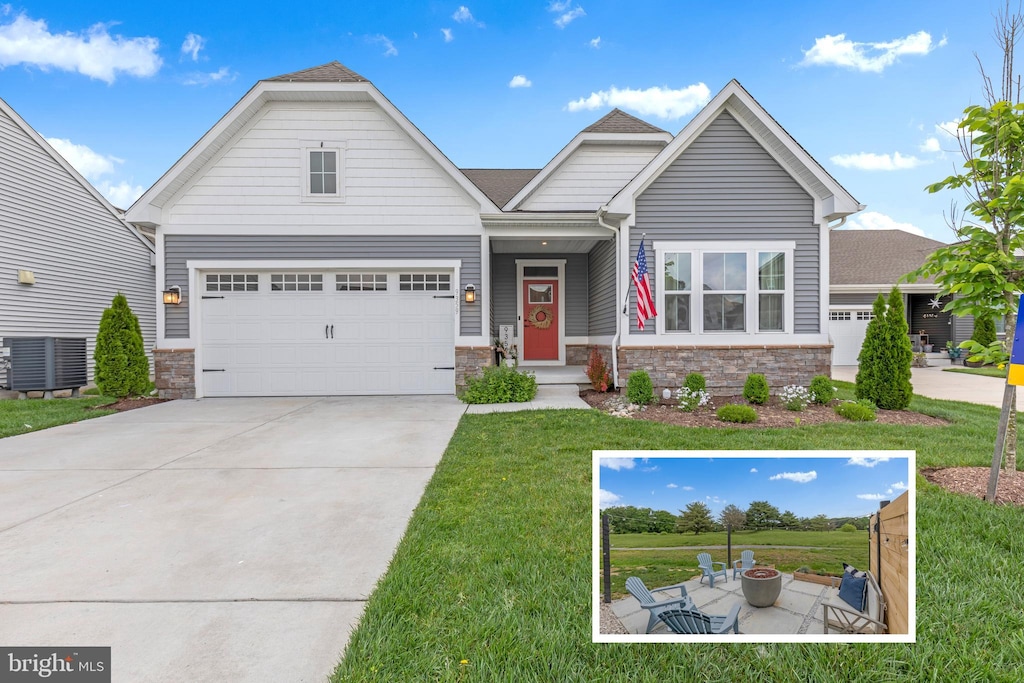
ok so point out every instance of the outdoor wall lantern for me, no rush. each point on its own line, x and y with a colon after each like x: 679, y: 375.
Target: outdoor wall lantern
x: 172, y: 295
x: 470, y: 294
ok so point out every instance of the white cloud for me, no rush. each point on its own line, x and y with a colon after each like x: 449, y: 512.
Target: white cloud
x: 715, y: 499
x: 949, y: 128
x: 873, y: 220
x: 221, y: 75
x: 869, y: 161
x: 595, y: 43
x: 930, y: 145
x: 899, y: 486
x: 520, y: 81
x: 871, y: 496
x: 607, y: 498
x: 867, y: 460
x: 464, y: 16
x: 447, y: 33
x: 868, y: 57
x: 618, y: 463
x: 798, y: 477
x: 94, y: 52
x: 649, y: 469
x: 753, y: 470
x: 192, y: 45
x: 557, y: 6
x: 122, y: 194
x: 671, y: 486
x: 389, y: 47
x: 568, y: 17
x: 664, y: 103
x: 90, y: 164
x: 687, y: 488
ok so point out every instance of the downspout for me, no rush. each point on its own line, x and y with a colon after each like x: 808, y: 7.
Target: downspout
x: 618, y: 265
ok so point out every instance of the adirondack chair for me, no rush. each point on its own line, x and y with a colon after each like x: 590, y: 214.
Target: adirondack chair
x: 693, y: 621
x: 654, y: 606
x: 745, y: 562
x: 707, y: 567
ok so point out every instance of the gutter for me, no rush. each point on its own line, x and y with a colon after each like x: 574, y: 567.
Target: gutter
x: 601, y: 212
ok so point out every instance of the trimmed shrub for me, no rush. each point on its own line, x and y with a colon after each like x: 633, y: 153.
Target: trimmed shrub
x: 695, y: 382
x: 822, y: 390
x: 885, y: 357
x: 755, y: 389
x: 597, y: 371
x: 858, y: 412
x: 736, y: 413
x: 500, y: 384
x: 848, y: 528
x: 639, y: 389
x: 984, y: 330
x: 121, y: 366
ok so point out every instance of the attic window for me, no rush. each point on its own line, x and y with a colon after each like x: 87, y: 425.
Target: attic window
x: 323, y: 168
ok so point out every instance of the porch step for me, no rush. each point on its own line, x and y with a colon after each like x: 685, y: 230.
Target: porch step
x: 558, y: 374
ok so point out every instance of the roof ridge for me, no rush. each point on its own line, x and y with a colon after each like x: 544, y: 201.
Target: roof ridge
x: 330, y: 72
x: 618, y: 121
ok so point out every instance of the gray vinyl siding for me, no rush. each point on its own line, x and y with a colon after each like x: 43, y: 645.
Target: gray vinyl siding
x: 602, y: 288
x: 179, y: 249
x: 80, y: 253
x: 503, y: 288
x: 726, y: 187
x: 853, y: 299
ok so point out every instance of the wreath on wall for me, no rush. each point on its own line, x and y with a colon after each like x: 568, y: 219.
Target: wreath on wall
x: 540, y: 317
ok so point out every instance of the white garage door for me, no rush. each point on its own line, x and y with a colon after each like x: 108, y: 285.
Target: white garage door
x: 847, y: 328
x: 283, y: 333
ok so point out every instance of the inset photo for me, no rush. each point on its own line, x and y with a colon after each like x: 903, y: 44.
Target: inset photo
x: 754, y: 546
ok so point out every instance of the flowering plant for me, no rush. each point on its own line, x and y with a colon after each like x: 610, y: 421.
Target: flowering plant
x: 506, y: 351
x: 795, y: 397
x: 691, y: 399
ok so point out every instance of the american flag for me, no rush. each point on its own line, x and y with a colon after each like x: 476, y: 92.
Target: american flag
x: 644, y: 300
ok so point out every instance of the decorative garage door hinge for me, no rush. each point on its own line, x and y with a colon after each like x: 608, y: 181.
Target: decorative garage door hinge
x: 443, y: 296
x: 213, y: 297
x: 220, y: 370
x: 444, y: 368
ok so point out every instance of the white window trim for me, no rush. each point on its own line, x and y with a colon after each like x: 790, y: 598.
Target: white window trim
x: 333, y: 146
x: 697, y: 249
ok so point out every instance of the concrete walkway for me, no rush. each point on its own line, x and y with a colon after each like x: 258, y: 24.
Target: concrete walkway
x: 212, y: 540
x: 952, y: 386
x: 549, y: 396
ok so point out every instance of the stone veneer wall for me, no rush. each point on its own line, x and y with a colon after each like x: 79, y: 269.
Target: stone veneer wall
x: 580, y: 354
x: 726, y: 367
x: 470, y: 361
x: 175, y: 371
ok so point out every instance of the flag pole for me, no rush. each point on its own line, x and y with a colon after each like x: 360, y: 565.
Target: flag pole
x: 625, y: 304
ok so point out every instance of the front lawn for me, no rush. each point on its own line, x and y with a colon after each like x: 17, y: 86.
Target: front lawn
x: 493, y: 579
x: 984, y: 370
x: 19, y: 417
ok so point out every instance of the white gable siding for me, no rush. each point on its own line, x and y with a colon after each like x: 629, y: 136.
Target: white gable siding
x: 80, y: 253
x: 590, y: 177
x: 387, y: 180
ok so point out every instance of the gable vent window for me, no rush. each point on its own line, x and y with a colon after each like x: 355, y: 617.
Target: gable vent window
x: 323, y: 172
x: 296, y: 282
x: 424, y: 282
x: 232, y: 282
x: 361, y: 282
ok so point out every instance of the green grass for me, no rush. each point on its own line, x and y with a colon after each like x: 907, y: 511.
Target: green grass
x: 984, y: 370
x: 495, y: 567
x: 19, y: 417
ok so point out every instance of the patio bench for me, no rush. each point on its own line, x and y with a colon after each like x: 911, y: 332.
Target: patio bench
x: 840, y: 615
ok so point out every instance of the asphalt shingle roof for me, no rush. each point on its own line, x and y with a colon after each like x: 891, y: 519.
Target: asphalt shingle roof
x: 876, y: 257
x: 618, y: 121
x: 332, y: 72
x: 500, y: 184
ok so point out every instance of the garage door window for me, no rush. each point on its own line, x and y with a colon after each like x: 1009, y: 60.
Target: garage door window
x: 232, y: 282
x: 865, y: 315
x: 424, y: 282
x: 361, y: 282
x: 838, y: 315
x: 296, y: 282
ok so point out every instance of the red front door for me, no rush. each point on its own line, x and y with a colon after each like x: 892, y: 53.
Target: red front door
x: 540, y: 320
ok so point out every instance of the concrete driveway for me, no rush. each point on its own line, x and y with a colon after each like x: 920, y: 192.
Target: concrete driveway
x: 212, y: 540
x: 951, y: 386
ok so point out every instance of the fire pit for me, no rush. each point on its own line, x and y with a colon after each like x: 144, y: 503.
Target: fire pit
x: 761, y: 587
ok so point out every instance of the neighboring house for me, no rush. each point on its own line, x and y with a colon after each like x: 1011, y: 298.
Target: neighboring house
x: 323, y: 245
x: 866, y: 263
x: 64, y: 250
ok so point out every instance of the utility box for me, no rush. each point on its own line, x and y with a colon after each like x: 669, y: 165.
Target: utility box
x: 46, y: 363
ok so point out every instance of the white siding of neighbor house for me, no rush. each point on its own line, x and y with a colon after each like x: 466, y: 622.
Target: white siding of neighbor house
x: 386, y: 179
x: 590, y: 177
x: 80, y: 253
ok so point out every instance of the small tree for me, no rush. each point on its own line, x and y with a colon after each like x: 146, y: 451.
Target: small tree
x: 788, y: 520
x: 762, y: 515
x: 732, y: 515
x: 870, y: 351
x: 597, y: 371
x: 122, y: 368
x: 696, y: 518
x: 884, y: 373
x: 984, y: 330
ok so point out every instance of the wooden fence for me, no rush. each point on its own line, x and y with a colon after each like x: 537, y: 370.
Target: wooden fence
x: 890, y: 560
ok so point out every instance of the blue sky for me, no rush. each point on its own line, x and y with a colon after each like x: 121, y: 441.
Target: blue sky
x: 845, y: 484
x: 126, y: 88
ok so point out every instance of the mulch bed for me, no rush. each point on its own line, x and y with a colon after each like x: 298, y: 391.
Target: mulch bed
x: 131, y: 404
x: 973, y: 481
x: 774, y: 414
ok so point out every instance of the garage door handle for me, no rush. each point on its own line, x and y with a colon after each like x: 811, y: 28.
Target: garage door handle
x: 205, y: 370
x: 440, y: 296
x: 325, y: 331
x: 332, y: 331
x: 444, y: 368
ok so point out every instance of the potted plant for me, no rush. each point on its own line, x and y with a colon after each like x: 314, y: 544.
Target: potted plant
x: 954, y: 353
